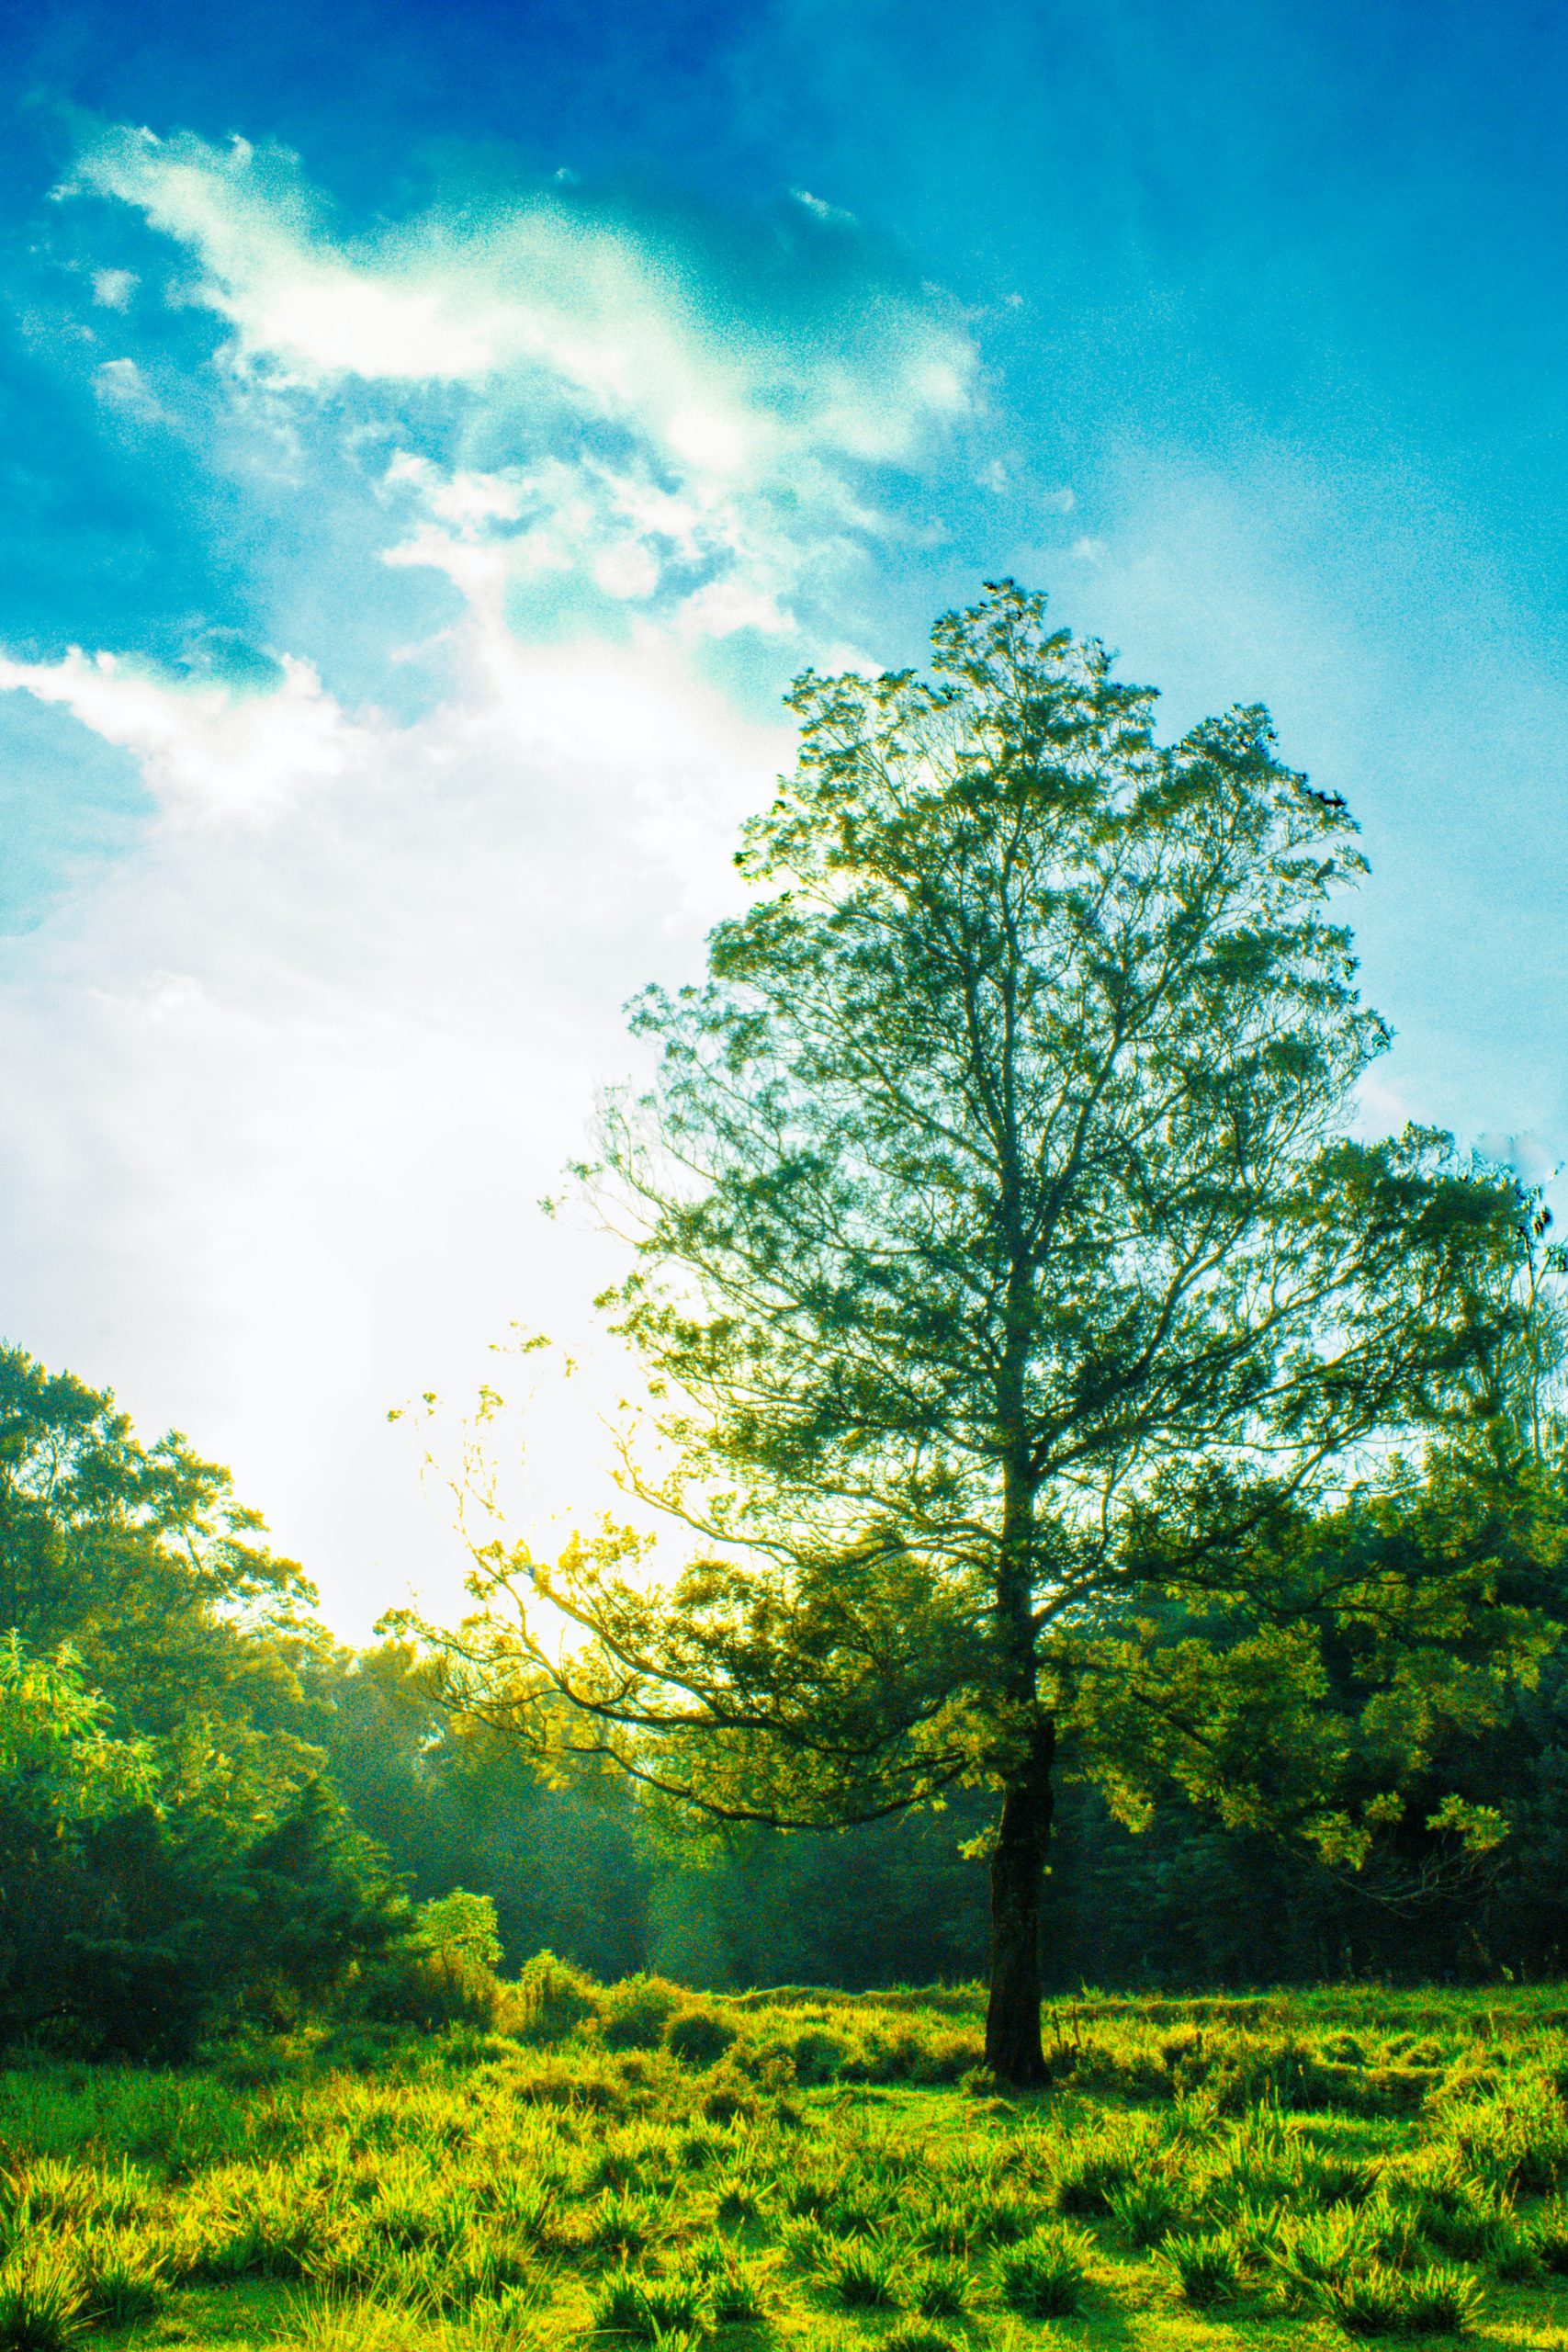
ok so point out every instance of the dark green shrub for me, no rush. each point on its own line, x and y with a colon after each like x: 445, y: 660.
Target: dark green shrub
x: 818, y: 2054
x: 633, y: 2015
x: 699, y: 2037
x: 429, y: 1991
x: 548, y: 2001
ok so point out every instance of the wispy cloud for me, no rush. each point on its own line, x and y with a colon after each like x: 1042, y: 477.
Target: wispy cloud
x: 295, y: 1068
x: 690, y: 420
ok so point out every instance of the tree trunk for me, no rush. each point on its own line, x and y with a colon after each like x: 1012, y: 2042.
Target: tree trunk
x: 1017, y: 1874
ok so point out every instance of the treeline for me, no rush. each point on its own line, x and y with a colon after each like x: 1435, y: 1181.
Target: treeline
x: 210, y: 1812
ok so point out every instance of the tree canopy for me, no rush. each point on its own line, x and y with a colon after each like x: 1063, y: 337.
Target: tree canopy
x: 1007, y: 1276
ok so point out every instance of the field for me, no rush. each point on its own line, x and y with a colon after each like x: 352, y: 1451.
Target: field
x: 645, y: 2166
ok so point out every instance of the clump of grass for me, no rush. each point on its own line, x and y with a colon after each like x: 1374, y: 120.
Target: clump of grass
x: 1515, y: 2139
x: 866, y: 2275
x: 736, y: 2290
x: 1043, y: 2276
x: 1148, y: 2209
x: 939, y: 2288
x: 1548, y: 2235
x: 1379, y: 2301
x: 740, y: 2201
x: 122, y: 2281
x: 619, y: 2223
x: 1204, y: 2267
x: 806, y: 2243
x: 917, y: 2336
x: 1459, y: 2215
x: 1001, y: 2220
x: 947, y: 2227
x: 326, y: 2325
x: 42, y: 2302
x: 1087, y: 2175
x: 623, y: 2304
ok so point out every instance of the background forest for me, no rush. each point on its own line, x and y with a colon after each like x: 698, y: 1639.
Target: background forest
x: 213, y: 1811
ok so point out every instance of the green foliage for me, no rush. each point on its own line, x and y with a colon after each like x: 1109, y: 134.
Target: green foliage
x: 41, y: 2303
x: 1439, y: 2301
x: 698, y: 2037
x: 634, y: 2014
x: 1006, y: 1282
x: 1042, y: 2276
x: 170, y: 1856
x: 484, y: 2194
x: 1205, y: 2268
x: 551, y: 1999
x: 140, y: 1558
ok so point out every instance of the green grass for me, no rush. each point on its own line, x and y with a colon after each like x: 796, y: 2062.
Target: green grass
x: 809, y: 2172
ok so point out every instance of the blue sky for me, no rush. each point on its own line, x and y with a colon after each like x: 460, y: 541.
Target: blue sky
x: 429, y: 441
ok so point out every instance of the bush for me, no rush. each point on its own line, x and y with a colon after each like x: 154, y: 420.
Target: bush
x: 1042, y: 2278
x: 818, y: 2054
x: 430, y: 1991
x: 549, y: 2000
x: 633, y: 2015
x: 699, y: 2037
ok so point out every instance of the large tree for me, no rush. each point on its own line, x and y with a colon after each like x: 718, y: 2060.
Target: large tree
x: 1001, y: 1257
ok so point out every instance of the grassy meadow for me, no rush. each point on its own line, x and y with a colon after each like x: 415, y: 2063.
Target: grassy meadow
x: 640, y: 2166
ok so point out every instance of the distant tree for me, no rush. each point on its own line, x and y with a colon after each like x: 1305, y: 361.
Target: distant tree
x: 1005, y: 1280
x: 142, y: 1901
x: 170, y: 1855
x: 141, y: 1558
x: 563, y: 1855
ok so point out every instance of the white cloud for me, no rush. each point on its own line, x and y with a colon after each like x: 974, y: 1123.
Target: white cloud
x: 204, y: 748
x: 680, y: 431
x: 544, y: 285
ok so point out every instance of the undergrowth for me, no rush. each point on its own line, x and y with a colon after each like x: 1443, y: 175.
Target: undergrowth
x: 641, y: 2165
